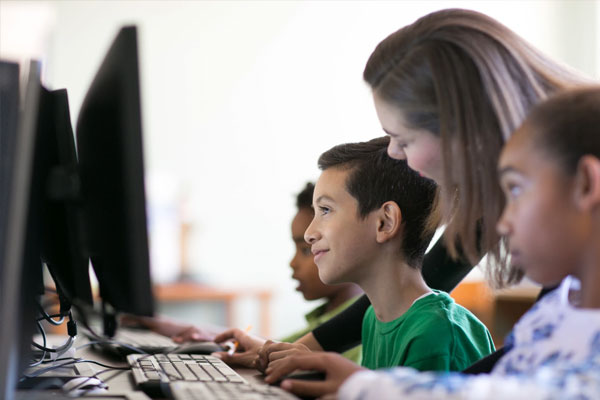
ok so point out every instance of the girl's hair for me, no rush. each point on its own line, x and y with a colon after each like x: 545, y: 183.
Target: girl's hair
x: 471, y: 81
x: 568, y: 126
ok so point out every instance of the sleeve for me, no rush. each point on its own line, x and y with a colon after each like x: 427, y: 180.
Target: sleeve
x: 581, y: 382
x: 343, y: 331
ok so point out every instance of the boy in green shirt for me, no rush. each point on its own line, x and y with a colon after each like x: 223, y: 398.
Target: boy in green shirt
x: 369, y: 228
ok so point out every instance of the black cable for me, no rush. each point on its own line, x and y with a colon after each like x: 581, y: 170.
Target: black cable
x: 51, y: 316
x: 48, y: 317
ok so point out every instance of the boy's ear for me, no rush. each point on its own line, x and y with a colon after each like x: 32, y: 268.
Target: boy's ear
x: 587, y: 183
x: 389, y: 222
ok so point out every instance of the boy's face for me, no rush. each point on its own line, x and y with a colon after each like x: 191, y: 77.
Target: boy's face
x: 303, y: 266
x: 341, y: 241
x: 544, y: 228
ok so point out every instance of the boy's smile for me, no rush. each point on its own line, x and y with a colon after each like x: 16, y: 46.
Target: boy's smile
x: 340, y: 239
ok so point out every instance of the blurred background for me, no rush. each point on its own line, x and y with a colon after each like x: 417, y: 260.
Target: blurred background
x: 239, y: 98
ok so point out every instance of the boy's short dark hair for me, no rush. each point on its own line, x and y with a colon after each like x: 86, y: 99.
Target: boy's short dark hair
x: 305, y: 197
x: 376, y: 178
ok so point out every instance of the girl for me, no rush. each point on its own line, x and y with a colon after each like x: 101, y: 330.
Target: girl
x: 550, y: 175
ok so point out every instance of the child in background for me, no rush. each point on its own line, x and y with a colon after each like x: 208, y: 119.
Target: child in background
x: 550, y: 175
x: 369, y: 229
x: 337, y: 297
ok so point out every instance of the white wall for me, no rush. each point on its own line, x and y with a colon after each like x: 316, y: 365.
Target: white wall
x: 240, y: 98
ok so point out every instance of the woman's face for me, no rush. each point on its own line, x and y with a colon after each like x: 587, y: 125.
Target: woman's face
x: 420, y: 148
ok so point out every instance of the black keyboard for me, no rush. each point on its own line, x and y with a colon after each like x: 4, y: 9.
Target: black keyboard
x: 153, y: 373
x: 216, y: 391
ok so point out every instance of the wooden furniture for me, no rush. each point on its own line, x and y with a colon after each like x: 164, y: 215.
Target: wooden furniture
x: 180, y: 292
x: 499, y: 310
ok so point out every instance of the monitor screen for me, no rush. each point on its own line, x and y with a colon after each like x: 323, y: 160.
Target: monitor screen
x: 109, y: 145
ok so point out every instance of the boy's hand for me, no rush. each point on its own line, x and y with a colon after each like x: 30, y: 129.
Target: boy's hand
x: 272, y: 351
x: 336, y: 368
x: 246, y: 351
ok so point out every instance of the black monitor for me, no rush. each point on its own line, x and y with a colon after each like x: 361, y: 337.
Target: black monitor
x: 9, y: 112
x: 21, y: 273
x: 56, y: 198
x: 109, y: 144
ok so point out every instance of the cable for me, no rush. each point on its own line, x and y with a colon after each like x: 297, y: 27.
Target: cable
x: 71, y: 361
x: 48, y: 317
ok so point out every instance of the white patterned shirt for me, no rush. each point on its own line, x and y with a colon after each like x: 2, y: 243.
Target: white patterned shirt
x: 554, y: 354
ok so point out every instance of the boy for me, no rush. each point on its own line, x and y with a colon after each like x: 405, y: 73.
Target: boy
x: 369, y: 229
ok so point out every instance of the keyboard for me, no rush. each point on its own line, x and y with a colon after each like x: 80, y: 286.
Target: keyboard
x: 126, y: 339
x: 215, y: 391
x: 153, y: 373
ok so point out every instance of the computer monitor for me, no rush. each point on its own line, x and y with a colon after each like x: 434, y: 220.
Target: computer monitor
x: 56, y: 200
x: 21, y: 273
x: 9, y: 112
x: 109, y: 144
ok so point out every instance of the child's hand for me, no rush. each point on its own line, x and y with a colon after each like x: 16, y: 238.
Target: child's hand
x: 336, y: 368
x: 272, y: 351
x: 246, y: 351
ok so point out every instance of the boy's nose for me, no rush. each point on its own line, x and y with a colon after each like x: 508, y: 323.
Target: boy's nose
x: 310, y: 235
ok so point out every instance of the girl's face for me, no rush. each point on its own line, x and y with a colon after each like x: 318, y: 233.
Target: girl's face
x: 546, y: 230
x: 420, y: 148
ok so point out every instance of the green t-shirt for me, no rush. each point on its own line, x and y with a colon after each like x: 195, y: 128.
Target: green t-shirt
x: 318, y: 316
x: 434, y: 334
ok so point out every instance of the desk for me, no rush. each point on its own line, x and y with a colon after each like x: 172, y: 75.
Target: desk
x: 182, y: 292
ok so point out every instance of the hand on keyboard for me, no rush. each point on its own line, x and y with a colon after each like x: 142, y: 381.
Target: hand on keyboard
x: 247, y: 350
x: 272, y: 351
x: 335, y: 367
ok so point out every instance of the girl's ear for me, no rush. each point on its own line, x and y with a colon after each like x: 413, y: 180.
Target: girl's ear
x: 587, y: 183
x: 389, y: 221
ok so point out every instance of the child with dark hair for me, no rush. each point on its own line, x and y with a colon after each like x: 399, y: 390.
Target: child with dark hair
x: 369, y: 228
x: 337, y: 297
x: 550, y: 175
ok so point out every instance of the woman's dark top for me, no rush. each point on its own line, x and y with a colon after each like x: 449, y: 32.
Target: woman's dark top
x: 343, y: 331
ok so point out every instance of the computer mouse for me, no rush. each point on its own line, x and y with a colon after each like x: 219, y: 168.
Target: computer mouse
x: 84, y: 385
x: 198, y: 348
